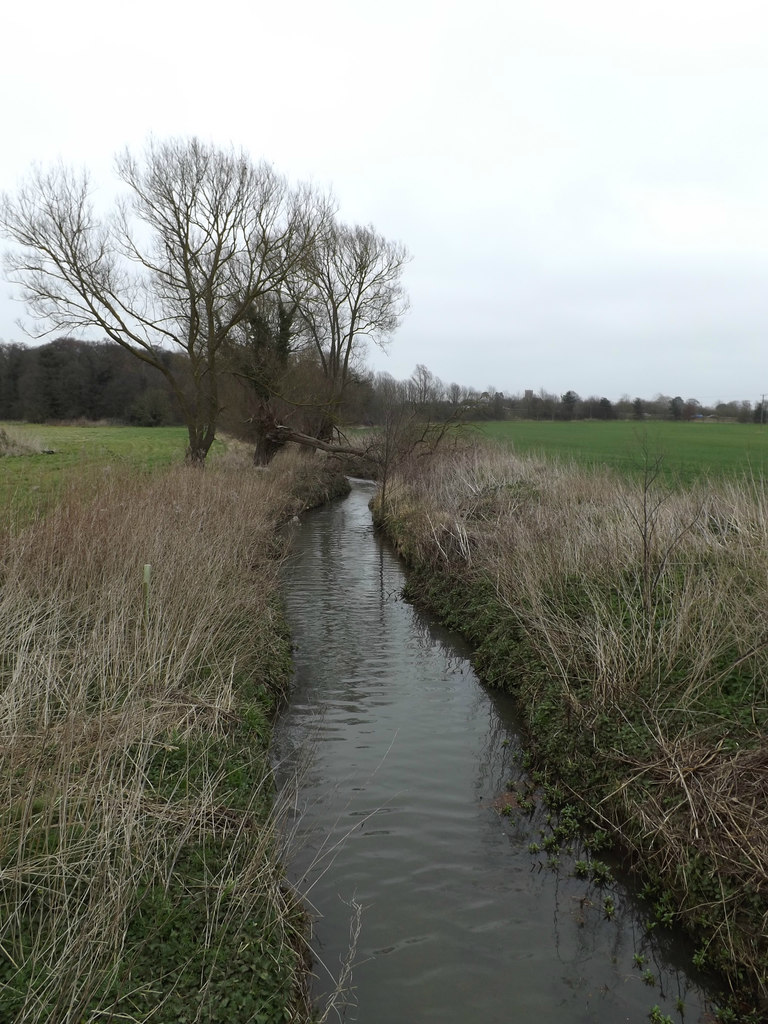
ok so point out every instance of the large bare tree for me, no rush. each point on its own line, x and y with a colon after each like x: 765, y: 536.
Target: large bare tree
x: 198, y: 238
x: 348, y: 291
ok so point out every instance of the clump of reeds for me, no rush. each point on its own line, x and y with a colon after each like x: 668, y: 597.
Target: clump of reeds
x: 11, y: 443
x: 642, y: 615
x: 138, y: 865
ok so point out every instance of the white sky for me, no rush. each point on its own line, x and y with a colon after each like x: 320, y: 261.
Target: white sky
x: 583, y: 186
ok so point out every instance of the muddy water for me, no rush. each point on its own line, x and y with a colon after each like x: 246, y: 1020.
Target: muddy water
x: 404, y: 756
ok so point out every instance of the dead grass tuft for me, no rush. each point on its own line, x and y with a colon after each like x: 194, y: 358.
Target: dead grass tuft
x: 11, y: 443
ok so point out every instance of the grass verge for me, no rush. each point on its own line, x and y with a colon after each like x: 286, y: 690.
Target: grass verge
x: 139, y: 874
x: 631, y: 622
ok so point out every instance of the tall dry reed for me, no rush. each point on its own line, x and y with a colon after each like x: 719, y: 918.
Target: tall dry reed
x: 138, y: 873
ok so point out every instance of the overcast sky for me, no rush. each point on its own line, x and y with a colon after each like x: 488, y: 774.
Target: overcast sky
x: 583, y: 186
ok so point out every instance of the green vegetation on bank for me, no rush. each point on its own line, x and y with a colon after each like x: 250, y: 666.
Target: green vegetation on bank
x: 690, y: 450
x: 629, y: 619
x: 138, y: 827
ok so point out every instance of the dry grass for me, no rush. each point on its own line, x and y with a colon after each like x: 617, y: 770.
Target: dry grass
x: 137, y: 844
x: 13, y: 443
x: 644, y: 613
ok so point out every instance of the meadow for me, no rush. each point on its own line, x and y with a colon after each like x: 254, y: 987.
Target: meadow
x: 689, y: 451
x: 52, y: 459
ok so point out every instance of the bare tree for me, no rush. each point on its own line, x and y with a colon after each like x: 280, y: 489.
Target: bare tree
x: 348, y: 291
x: 409, y: 430
x: 199, y: 238
x: 456, y: 394
x: 426, y: 390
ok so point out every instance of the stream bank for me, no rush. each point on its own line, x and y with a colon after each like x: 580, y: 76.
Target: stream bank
x: 143, y: 656
x: 414, y: 817
x: 516, y: 555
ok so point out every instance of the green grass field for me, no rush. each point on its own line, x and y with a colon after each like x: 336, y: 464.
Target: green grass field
x: 29, y: 483
x: 689, y: 450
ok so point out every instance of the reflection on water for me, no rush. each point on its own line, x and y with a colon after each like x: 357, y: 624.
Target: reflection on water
x: 403, y: 753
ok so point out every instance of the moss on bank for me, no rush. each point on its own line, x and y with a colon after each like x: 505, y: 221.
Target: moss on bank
x: 651, y: 753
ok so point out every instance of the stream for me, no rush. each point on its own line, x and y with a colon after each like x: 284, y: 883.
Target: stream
x: 402, y: 759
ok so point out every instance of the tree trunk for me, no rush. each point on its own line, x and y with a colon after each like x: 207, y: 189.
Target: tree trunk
x: 268, y: 443
x: 265, y: 450
x: 200, y: 441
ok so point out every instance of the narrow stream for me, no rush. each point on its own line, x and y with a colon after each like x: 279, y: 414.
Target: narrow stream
x: 402, y: 754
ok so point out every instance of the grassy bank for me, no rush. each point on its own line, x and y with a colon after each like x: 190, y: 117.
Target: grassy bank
x: 630, y: 620
x: 139, y: 875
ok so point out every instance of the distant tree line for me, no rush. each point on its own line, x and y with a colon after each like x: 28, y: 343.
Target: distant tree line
x: 571, y: 406
x: 442, y: 400
x: 67, y: 379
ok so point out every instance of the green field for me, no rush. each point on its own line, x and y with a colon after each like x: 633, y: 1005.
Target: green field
x: 29, y: 483
x: 689, y: 450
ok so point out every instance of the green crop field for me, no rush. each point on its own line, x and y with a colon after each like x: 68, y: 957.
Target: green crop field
x: 689, y: 450
x: 59, y: 457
